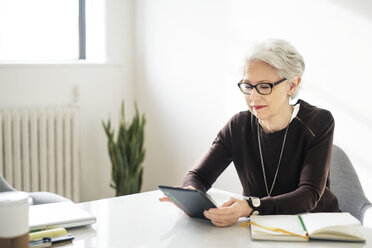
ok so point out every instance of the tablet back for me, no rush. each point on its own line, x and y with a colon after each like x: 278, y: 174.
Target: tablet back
x: 192, y: 202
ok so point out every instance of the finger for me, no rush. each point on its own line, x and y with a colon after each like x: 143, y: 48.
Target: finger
x: 210, y: 216
x: 221, y: 218
x: 165, y: 199
x: 228, y: 208
x: 221, y: 224
x: 206, y: 214
x: 221, y: 211
x: 225, y: 208
x: 186, y: 187
x: 228, y: 214
x: 214, y: 218
x: 229, y: 202
x: 216, y: 223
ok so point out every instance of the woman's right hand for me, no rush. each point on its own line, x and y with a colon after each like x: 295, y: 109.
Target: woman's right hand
x: 167, y: 199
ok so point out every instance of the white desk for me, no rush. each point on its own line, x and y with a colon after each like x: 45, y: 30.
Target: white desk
x: 140, y: 220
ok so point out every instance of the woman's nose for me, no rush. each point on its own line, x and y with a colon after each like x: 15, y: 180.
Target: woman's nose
x: 254, y: 94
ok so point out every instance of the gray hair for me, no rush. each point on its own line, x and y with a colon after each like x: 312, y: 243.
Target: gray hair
x: 281, y: 55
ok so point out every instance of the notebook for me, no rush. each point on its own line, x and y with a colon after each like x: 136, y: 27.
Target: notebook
x: 61, y: 214
x: 304, y: 227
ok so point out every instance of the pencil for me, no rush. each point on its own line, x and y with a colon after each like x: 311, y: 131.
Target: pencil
x: 303, y: 225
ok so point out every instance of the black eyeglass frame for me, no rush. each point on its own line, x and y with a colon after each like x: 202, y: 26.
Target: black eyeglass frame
x: 255, y: 86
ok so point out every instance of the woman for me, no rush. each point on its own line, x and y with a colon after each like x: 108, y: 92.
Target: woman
x: 281, y: 152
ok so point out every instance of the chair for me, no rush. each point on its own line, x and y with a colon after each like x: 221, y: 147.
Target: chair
x: 37, y: 197
x: 345, y: 184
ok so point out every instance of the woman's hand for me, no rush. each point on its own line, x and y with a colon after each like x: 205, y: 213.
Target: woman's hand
x: 229, y: 212
x: 167, y: 199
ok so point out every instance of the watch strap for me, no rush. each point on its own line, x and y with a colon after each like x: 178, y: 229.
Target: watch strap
x: 254, y: 203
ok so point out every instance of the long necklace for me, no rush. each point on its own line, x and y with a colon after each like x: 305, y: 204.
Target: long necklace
x: 262, y: 162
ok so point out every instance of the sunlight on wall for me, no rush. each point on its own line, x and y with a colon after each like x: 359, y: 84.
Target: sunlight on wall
x: 190, y: 58
x: 96, y: 31
x: 336, y: 47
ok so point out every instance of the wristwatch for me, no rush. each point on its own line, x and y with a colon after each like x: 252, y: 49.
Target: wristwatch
x: 254, y: 203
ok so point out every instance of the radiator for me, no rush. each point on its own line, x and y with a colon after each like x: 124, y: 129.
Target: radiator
x: 39, y: 150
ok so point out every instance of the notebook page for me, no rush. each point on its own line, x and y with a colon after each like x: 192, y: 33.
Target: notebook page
x: 316, y: 221
x: 289, y: 223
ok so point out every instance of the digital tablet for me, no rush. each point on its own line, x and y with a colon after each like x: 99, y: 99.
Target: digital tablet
x: 192, y: 201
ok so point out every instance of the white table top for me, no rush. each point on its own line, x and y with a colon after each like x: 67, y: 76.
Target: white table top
x: 140, y: 220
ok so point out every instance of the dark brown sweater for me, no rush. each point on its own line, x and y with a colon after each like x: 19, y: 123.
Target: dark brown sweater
x: 302, y: 184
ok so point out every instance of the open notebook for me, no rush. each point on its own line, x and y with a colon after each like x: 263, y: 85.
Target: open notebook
x: 61, y: 214
x: 304, y: 227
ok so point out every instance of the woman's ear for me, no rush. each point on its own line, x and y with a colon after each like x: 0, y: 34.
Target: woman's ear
x: 294, y: 85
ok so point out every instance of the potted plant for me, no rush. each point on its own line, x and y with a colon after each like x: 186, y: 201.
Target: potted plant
x: 126, y: 153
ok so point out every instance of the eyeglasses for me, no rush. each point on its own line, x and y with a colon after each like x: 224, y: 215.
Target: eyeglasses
x: 262, y: 87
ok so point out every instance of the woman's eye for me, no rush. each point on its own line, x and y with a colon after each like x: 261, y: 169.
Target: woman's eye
x: 264, y: 86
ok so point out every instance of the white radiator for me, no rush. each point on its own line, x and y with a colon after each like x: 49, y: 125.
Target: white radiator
x: 39, y: 150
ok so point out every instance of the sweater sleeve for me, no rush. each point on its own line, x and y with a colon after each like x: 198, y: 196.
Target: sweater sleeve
x: 313, y: 176
x: 214, y: 162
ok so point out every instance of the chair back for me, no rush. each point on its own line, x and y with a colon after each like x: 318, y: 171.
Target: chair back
x: 345, y: 184
x: 4, y: 185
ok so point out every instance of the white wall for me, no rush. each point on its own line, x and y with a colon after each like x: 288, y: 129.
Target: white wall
x: 101, y: 88
x: 181, y: 73
x: 188, y: 62
x: 184, y: 73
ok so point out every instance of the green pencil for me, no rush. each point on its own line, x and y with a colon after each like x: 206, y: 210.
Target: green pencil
x: 303, y: 225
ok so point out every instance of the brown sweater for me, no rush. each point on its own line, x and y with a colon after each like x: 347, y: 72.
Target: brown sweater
x: 302, y: 184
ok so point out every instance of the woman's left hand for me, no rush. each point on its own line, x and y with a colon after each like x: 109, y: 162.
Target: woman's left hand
x: 228, y: 213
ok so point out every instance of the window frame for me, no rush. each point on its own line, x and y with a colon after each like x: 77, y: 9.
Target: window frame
x: 82, y: 31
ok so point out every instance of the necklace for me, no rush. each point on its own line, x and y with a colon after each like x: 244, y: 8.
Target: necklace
x: 262, y: 162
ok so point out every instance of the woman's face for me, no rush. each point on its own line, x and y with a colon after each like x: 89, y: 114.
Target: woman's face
x: 266, y: 107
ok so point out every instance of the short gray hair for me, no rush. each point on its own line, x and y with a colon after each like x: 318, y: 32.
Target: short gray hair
x: 281, y: 55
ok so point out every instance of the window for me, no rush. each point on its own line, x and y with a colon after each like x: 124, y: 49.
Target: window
x: 42, y: 30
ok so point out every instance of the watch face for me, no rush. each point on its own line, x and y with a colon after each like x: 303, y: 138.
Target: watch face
x: 256, y: 202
